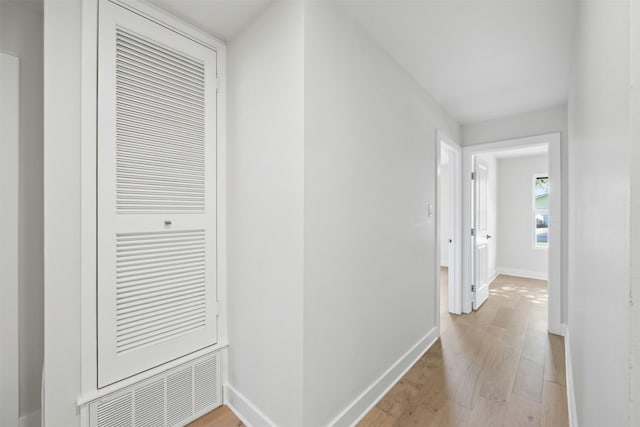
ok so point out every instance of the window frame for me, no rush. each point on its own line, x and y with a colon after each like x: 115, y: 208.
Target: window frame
x: 534, y: 239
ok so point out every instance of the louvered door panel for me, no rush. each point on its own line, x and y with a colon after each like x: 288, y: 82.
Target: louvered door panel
x: 160, y: 286
x: 160, y: 128
x: 156, y: 195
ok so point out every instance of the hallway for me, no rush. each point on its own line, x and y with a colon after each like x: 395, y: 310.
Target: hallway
x: 495, y: 367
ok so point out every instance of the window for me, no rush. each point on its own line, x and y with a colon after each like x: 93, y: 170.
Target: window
x: 541, y: 211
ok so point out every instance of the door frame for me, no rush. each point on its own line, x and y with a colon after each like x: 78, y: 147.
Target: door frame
x: 443, y: 142
x: 552, y: 140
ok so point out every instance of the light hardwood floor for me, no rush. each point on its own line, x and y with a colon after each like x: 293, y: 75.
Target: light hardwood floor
x: 220, y: 417
x: 496, y: 367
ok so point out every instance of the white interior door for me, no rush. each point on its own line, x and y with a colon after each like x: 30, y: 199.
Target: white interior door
x: 447, y: 199
x: 451, y: 247
x: 156, y: 195
x: 481, y: 234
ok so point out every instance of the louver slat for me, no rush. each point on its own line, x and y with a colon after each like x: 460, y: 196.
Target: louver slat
x: 148, y: 402
x: 205, y: 376
x: 116, y: 413
x: 180, y: 396
x: 146, y: 73
x: 163, y: 296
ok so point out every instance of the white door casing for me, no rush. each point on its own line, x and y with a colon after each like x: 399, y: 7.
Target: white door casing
x: 481, y: 235
x: 557, y: 243
x: 156, y: 195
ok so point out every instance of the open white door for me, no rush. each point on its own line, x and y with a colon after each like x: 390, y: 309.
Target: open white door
x: 450, y: 221
x: 480, y: 233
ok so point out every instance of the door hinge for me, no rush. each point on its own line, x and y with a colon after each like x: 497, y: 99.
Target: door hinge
x: 473, y: 232
x: 217, y: 84
x: 473, y: 176
x: 473, y: 288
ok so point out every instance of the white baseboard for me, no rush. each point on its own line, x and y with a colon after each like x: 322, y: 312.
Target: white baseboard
x: 246, y: 411
x: 357, y: 409
x: 251, y: 416
x: 560, y: 329
x: 540, y: 275
x: 571, y: 394
x: 31, y: 420
x: 493, y: 276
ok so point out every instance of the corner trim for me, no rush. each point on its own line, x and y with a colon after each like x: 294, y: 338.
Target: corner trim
x: 493, y: 276
x: 357, y: 409
x: 242, y: 407
x: 571, y: 393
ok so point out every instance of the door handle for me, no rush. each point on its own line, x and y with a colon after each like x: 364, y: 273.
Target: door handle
x: 488, y: 236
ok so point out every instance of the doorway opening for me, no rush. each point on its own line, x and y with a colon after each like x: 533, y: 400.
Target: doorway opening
x: 449, y: 223
x: 512, y: 210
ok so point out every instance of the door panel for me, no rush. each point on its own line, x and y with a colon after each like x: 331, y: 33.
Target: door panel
x: 156, y: 195
x: 481, y: 238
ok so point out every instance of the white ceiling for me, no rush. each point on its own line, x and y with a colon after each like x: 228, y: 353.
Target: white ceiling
x: 221, y: 18
x: 479, y: 59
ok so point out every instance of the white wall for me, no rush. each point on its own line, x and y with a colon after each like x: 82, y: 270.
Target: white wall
x: 369, y: 245
x: 539, y: 122
x: 445, y: 209
x: 9, y: 242
x: 516, y: 251
x: 599, y: 206
x: 266, y: 202
x: 21, y: 34
x: 62, y: 199
x: 635, y: 213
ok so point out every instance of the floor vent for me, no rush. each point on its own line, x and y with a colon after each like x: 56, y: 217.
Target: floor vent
x: 172, y: 398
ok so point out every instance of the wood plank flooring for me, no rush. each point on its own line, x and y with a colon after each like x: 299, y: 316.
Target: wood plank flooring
x: 220, y: 417
x: 496, y: 367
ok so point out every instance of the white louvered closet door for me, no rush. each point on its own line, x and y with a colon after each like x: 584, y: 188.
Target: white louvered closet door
x: 156, y: 195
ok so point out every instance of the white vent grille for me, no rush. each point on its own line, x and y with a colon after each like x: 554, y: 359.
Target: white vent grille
x: 160, y: 128
x: 148, y: 401
x: 160, y: 286
x: 173, y: 398
x: 179, y: 396
x: 205, y: 375
x: 115, y: 413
